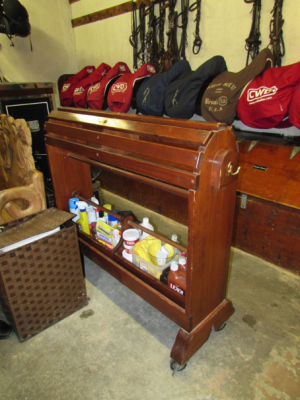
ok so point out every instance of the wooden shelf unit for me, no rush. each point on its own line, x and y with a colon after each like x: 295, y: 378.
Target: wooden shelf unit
x: 188, y: 159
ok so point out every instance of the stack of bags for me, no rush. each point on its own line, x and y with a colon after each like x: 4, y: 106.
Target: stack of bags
x: 259, y: 95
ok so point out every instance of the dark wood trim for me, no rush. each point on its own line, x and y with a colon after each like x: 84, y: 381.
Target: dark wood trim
x: 137, y: 285
x: 183, y: 135
x: 130, y: 175
x: 107, y: 12
x: 172, y: 154
x: 186, y: 123
x: 165, y: 174
x: 187, y: 343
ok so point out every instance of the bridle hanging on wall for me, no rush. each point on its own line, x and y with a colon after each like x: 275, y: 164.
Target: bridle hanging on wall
x: 184, y: 18
x: 253, y: 42
x: 133, y: 39
x: 152, y: 39
x: 197, y: 39
x: 172, y: 53
x: 161, y: 36
x: 142, y: 30
x: 151, y: 42
x: 276, y: 33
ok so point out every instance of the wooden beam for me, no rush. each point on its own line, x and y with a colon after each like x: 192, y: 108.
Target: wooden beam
x: 107, y: 12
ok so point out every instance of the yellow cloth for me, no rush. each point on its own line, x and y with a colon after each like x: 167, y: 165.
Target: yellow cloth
x: 170, y: 249
x: 141, y: 248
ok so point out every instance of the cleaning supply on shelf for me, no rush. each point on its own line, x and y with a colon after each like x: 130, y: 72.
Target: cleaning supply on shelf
x: 160, y: 253
x: 115, y: 236
x: 74, y: 208
x: 170, y: 249
x: 97, y: 210
x: 108, y: 207
x: 141, y: 248
x: 176, y: 279
x: 83, y: 221
x: 130, y: 237
x: 104, y: 233
x: 101, y: 216
x: 161, y: 256
x: 182, y: 264
x: 112, y: 220
x: 92, y: 215
x: 92, y: 220
x: 146, y: 224
x: 174, y: 238
x: 127, y: 256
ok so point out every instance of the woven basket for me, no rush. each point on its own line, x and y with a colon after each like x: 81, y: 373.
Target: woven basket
x: 41, y: 282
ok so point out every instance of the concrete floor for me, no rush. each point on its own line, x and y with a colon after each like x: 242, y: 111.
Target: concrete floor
x: 118, y: 346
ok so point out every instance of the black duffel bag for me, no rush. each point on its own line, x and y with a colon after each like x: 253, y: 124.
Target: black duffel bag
x: 14, y: 19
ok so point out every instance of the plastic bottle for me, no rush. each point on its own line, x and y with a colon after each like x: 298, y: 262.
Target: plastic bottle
x: 97, y: 210
x: 161, y: 256
x: 74, y: 208
x: 145, y: 224
x: 113, y: 221
x: 182, y: 264
x: 92, y: 218
x: 174, y: 238
x: 83, y: 221
x: 108, y: 207
x: 176, y: 279
x: 101, y: 216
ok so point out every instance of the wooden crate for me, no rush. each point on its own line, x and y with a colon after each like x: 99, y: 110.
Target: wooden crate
x: 267, y: 213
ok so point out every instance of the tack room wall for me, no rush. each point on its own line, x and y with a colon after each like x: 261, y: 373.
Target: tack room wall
x: 52, y: 38
x: 224, y: 26
x: 58, y: 48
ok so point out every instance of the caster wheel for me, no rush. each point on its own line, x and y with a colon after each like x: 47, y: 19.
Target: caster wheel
x: 176, y: 367
x: 222, y: 327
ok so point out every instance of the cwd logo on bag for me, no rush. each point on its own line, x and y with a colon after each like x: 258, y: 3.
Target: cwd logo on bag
x: 262, y: 93
x: 119, y: 87
x: 78, y: 91
x: 122, y: 68
x: 66, y: 87
x: 94, y: 88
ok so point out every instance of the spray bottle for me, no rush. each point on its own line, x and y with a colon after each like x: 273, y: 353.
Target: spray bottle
x: 74, y: 208
x: 83, y: 221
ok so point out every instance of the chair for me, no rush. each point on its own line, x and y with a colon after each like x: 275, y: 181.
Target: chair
x: 22, y: 190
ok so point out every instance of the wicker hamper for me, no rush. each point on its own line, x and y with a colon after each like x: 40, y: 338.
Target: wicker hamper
x: 41, y: 282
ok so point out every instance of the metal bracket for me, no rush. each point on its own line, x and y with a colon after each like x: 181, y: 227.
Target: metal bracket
x: 294, y: 152
x: 252, y: 144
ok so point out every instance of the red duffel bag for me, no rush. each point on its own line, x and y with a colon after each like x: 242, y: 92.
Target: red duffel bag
x: 265, y: 101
